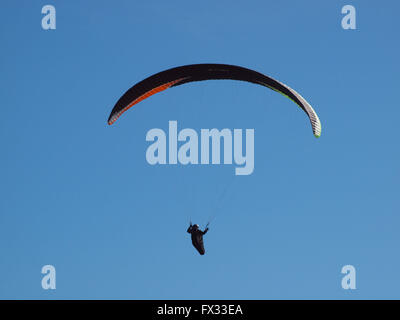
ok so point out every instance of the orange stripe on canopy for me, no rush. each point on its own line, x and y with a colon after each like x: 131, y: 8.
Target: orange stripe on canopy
x: 145, y: 96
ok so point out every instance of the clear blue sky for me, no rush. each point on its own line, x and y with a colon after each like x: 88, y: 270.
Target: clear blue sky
x: 78, y: 194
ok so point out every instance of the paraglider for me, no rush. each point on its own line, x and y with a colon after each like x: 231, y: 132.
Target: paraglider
x: 197, y: 237
x: 199, y: 72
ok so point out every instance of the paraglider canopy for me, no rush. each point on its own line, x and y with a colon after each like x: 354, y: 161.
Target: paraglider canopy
x: 199, y: 72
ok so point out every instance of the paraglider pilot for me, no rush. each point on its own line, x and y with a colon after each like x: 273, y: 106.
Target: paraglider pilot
x: 197, y: 237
